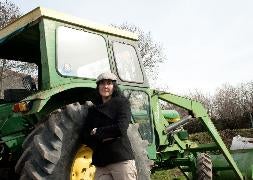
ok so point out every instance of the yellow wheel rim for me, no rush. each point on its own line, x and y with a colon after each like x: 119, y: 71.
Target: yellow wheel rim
x: 81, y: 167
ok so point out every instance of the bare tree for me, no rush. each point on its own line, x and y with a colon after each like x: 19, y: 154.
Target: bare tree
x: 227, y: 101
x: 8, y: 13
x: 151, y: 52
x: 230, y: 107
x: 232, y: 103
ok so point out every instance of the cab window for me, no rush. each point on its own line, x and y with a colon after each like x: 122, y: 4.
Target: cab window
x: 80, y: 53
x: 140, y: 109
x: 127, y: 63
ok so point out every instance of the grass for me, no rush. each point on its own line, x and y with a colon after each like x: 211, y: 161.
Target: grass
x: 171, y: 174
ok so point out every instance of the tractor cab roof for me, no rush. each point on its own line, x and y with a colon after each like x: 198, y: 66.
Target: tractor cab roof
x: 23, y: 35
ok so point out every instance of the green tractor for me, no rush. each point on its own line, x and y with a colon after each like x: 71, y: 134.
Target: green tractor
x: 41, y: 113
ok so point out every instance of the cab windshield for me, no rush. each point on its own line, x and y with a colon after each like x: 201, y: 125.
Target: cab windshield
x: 80, y: 53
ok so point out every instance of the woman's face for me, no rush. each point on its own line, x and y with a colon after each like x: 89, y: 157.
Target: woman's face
x: 105, y: 88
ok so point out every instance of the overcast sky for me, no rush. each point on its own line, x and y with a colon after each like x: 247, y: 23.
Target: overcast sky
x: 207, y: 43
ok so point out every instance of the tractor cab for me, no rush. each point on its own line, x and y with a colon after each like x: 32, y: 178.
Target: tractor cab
x: 47, y: 55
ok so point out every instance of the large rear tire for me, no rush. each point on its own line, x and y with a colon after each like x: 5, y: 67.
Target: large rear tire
x: 204, y: 167
x: 50, y: 149
x: 139, y: 146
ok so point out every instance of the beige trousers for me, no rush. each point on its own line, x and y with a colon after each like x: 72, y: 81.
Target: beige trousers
x: 125, y: 170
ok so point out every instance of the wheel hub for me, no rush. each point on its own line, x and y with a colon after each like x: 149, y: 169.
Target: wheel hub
x: 81, y: 166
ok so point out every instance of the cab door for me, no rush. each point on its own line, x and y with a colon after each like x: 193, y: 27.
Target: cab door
x: 142, y: 114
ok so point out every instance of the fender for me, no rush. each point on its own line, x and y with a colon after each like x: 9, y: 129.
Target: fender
x: 42, y: 97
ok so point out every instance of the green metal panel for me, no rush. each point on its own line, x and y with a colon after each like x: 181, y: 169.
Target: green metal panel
x: 170, y: 114
x: 14, y: 141
x: 9, y: 121
x: 151, y: 151
x: 159, y: 122
x: 48, y: 60
x: 244, y: 159
x: 6, y: 112
x: 11, y: 127
x: 44, y: 64
x: 183, y: 135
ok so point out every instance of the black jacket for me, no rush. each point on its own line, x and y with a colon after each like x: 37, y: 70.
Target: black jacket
x: 110, y: 144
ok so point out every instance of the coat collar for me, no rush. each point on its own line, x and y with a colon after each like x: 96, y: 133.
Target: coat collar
x: 108, y: 108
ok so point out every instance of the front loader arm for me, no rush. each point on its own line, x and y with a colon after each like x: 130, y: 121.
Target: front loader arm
x: 201, y: 113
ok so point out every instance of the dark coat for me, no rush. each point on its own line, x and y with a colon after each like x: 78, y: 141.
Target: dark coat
x: 110, y: 144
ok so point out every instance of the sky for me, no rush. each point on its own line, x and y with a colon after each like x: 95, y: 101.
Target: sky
x: 207, y: 43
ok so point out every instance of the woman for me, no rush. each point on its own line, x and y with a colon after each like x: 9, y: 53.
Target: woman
x: 105, y: 132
